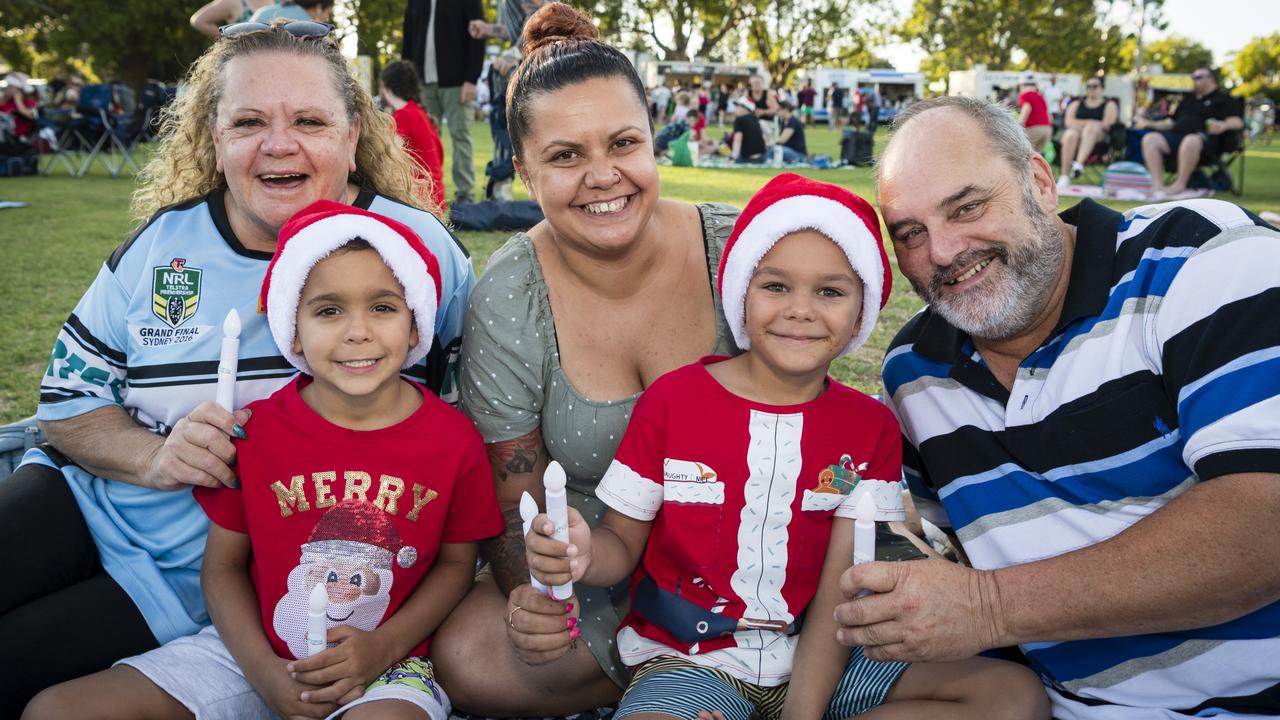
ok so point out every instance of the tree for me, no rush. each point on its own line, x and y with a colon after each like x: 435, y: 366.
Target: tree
x: 675, y: 29
x: 788, y: 35
x: 1084, y: 36
x: 1177, y: 54
x: 379, y: 24
x: 1258, y: 65
x: 134, y: 40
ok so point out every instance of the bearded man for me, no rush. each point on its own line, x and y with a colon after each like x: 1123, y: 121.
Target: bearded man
x: 1091, y: 403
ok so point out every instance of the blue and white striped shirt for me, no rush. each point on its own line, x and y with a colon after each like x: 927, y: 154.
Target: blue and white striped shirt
x: 1163, y: 372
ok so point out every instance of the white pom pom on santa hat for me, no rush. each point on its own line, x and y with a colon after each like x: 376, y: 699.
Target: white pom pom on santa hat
x: 790, y: 203
x: 324, y: 226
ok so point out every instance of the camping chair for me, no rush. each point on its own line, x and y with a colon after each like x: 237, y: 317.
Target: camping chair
x: 1108, y: 150
x: 95, y: 132
x: 1219, y: 168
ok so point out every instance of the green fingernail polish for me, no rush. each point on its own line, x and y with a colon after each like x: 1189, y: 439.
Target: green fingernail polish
x: 238, y: 431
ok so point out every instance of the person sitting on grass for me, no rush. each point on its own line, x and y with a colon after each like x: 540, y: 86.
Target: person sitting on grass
x: 746, y: 144
x: 357, y: 486
x: 791, y: 139
x: 717, y: 506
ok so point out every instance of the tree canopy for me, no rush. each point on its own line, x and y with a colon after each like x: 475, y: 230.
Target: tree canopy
x: 1258, y: 65
x: 128, y: 39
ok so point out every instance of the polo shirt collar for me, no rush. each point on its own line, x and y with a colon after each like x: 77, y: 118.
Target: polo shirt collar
x: 1087, y: 292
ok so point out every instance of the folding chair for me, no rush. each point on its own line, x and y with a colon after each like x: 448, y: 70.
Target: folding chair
x: 1233, y: 146
x: 94, y: 132
x: 1109, y: 150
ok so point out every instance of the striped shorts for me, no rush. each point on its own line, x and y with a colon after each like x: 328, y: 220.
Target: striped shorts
x: 682, y: 689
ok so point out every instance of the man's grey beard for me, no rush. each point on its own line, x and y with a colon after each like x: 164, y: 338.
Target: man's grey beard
x: 1031, y: 264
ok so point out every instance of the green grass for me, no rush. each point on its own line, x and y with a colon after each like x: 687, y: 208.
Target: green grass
x: 51, y: 250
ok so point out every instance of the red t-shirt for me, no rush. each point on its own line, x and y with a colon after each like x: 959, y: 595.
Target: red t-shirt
x: 699, y: 126
x: 423, y: 142
x: 364, y: 512
x: 741, y: 496
x: 1039, y: 108
x: 22, y: 126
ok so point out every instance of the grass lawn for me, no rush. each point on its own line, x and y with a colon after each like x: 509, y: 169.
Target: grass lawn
x: 51, y: 250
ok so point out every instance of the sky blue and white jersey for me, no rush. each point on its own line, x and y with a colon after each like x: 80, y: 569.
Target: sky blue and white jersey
x: 1163, y: 372
x: 147, y: 337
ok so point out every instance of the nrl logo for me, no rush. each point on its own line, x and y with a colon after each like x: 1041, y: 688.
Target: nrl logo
x: 175, y: 292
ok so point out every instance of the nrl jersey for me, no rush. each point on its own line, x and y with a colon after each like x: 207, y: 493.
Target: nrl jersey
x: 147, y: 336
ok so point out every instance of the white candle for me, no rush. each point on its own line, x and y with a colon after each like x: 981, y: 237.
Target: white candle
x: 317, y: 618
x: 553, y: 481
x: 528, y: 511
x: 864, y: 532
x: 230, y: 360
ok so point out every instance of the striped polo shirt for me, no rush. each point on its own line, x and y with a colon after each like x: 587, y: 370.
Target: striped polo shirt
x: 1163, y: 372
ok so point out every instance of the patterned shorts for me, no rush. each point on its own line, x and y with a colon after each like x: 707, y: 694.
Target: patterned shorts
x: 680, y: 688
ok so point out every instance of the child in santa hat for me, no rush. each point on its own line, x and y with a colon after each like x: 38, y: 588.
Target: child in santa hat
x: 732, y: 495
x: 352, y: 478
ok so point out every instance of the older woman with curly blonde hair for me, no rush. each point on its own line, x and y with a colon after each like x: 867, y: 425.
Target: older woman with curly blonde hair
x: 103, y: 530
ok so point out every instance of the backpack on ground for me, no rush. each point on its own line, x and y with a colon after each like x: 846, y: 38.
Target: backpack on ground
x: 857, y: 147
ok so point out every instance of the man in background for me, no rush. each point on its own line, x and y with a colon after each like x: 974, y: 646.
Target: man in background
x: 438, y: 41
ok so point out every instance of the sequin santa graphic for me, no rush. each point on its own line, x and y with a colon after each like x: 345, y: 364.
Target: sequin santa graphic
x: 351, y: 551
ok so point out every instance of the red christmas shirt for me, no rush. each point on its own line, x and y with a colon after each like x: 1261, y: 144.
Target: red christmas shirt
x: 740, y: 496
x: 365, y: 512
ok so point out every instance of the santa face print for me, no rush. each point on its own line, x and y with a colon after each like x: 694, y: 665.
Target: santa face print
x: 355, y: 330
x: 803, y: 305
x: 351, y: 553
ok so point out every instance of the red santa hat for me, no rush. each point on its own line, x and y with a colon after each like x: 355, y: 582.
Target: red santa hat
x: 358, y: 529
x: 790, y: 203
x: 318, y: 230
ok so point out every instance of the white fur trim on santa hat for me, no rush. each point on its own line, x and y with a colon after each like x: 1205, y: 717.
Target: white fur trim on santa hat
x: 803, y: 212
x: 314, y: 243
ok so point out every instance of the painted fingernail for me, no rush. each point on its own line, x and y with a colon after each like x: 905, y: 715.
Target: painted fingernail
x: 238, y: 431
x: 235, y: 483
x: 575, y: 633
x: 573, y: 621
x: 568, y: 607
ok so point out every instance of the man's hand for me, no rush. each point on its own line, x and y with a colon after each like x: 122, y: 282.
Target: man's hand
x: 922, y: 611
x: 540, y: 629
x: 468, y: 93
x: 481, y: 30
x: 198, y: 451
x: 284, y: 694
x: 341, y: 673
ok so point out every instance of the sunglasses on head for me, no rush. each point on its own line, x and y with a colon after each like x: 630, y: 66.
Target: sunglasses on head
x: 301, y: 29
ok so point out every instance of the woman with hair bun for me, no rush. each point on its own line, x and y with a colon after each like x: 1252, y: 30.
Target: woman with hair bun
x: 568, y: 324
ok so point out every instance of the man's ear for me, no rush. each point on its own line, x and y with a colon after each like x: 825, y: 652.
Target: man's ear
x: 1046, y: 188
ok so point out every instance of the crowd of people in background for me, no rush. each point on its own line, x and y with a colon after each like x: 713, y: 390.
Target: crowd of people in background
x: 764, y: 124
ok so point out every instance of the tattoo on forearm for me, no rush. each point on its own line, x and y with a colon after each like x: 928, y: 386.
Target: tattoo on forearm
x: 516, y: 456
x: 505, y: 553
